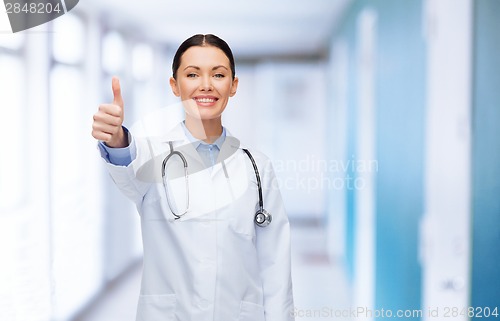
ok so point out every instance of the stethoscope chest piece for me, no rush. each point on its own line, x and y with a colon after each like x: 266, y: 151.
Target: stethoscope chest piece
x: 262, y: 218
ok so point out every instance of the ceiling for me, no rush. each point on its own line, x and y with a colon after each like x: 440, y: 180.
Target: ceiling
x: 253, y: 29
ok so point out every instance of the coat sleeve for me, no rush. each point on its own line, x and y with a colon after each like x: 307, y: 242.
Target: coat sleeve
x: 273, y: 245
x: 125, y: 177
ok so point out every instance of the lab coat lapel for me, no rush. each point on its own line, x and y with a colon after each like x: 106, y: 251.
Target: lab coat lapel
x: 191, y: 153
x: 182, y: 143
x: 228, y: 151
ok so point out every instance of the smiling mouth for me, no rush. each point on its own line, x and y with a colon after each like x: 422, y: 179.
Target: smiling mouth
x: 205, y: 100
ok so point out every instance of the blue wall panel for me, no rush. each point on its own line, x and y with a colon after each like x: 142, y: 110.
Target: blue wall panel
x: 400, y: 104
x: 486, y: 156
x: 400, y: 143
x: 348, y: 33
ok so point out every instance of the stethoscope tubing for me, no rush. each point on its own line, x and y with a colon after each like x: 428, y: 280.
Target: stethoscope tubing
x: 261, y: 212
x: 257, y: 175
x: 186, y: 175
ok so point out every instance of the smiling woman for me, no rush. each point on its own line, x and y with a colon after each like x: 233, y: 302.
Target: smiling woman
x: 203, y: 76
x: 211, y: 250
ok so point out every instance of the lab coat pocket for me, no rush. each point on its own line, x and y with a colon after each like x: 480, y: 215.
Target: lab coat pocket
x: 250, y: 311
x: 156, y: 307
x: 244, y: 227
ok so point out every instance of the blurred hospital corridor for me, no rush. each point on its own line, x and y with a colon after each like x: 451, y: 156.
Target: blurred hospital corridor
x: 381, y: 119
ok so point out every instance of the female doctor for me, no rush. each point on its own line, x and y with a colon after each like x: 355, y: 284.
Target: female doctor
x: 215, y: 233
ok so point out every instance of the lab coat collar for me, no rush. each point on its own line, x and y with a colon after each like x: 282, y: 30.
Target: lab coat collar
x: 178, y: 137
x: 227, y: 152
x: 175, y: 135
x: 197, y: 142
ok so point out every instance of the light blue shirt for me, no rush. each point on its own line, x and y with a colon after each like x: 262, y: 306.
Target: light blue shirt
x: 119, y: 156
x: 207, y: 152
x: 124, y: 156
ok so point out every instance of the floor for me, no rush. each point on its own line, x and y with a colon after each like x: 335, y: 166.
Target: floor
x: 320, y: 286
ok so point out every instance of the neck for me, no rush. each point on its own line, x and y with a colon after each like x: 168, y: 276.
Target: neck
x: 206, y: 130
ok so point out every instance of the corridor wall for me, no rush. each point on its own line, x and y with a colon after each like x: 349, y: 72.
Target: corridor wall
x: 485, y: 291
x: 386, y: 249
x: 400, y: 138
x: 432, y: 109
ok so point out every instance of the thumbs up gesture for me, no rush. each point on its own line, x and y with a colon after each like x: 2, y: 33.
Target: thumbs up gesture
x: 108, y: 120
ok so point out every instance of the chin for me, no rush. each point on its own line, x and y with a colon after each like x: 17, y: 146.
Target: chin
x: 203, y: 115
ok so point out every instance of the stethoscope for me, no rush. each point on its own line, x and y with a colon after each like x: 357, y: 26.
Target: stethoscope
x: 262, y: 218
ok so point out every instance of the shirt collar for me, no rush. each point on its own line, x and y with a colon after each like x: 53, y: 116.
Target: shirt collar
x: 197, y: 142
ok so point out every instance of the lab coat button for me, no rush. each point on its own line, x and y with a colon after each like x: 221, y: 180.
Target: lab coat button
x: 203, y: 304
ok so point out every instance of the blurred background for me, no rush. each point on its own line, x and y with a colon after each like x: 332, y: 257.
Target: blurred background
x: 382, y: 118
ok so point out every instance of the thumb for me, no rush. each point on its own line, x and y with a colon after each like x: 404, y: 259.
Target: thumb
x: 117, y: 92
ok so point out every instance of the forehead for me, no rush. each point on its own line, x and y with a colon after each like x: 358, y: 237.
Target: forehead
x: 204, y: 56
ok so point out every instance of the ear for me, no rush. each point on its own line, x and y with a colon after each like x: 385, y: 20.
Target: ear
x: 173, y: 85
x: 234, y: 87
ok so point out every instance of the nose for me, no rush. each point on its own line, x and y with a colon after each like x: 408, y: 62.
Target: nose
x: 206, y: 84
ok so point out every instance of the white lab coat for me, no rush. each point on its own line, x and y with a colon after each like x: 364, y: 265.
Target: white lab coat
x: 214, y: 263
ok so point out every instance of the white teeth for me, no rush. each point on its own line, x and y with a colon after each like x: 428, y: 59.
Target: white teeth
x: 205, y: 100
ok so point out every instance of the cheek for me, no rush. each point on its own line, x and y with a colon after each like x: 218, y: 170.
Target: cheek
x: 224, y: 89
x: 186, y: 88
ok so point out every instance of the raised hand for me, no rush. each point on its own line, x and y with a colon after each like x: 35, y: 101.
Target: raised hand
x: 108, y: 120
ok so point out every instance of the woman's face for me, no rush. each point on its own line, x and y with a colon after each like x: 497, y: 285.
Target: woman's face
x: 204, y: 82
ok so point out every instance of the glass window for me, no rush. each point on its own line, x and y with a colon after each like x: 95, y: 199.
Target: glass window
x: 75, y: 225
x: 69, y: 39
x: 12, y: 131
x: 142, y: 62
x: 12, y: 41
x: 66, y: 83
x: 113, y: 53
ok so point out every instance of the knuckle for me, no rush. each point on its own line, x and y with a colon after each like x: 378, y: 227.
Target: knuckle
x: 117, y: 110
x: 116, y: 122
x: 96, y: 134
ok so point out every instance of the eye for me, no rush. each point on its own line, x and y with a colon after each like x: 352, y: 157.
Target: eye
x: 219, y: 75
x: 192, y: 75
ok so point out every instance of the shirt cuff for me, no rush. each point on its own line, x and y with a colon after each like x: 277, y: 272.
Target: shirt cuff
x: 119, y: 156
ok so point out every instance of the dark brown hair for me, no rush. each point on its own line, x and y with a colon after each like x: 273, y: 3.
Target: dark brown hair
x: 202, y: 41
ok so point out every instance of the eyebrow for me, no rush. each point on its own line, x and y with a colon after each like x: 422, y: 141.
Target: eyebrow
x: 214, y: 68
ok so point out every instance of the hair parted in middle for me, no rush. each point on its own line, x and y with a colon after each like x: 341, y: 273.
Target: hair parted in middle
x: 202, y: 41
